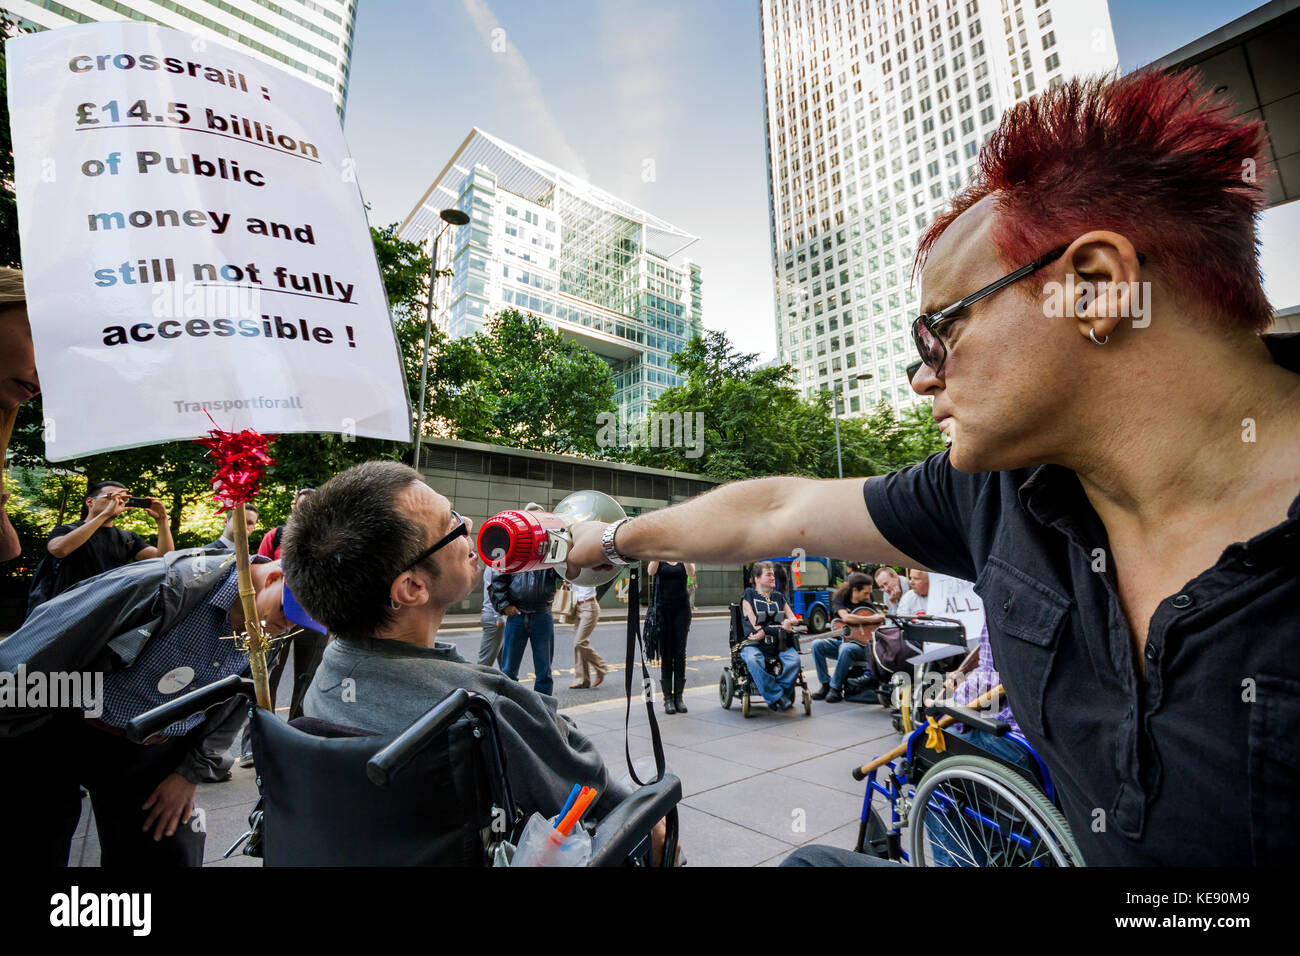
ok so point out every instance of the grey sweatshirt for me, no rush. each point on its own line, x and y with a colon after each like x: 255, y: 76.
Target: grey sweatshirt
x: 392, y: 684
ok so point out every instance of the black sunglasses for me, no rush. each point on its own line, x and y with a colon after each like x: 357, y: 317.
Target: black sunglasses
x: 925, y: 328
x: 461, y: 529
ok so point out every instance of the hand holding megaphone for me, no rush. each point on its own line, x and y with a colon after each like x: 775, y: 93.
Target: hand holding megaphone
x: 516, y: 541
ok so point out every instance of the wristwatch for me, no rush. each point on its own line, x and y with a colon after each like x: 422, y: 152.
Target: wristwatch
x: 607, y: 544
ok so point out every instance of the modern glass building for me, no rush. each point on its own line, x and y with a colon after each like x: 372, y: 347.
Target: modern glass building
x: 311, y: 38
x: 876, y: 110
x: 603, y: 272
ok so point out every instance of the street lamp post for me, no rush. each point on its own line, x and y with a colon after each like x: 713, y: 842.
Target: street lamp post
x: 452, y: 217
x: 835, y: 405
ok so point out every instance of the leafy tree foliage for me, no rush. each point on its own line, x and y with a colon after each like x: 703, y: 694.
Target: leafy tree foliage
x: 756, y: 422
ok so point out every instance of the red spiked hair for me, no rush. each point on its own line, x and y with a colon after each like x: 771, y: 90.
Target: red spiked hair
x: 1150, y: 156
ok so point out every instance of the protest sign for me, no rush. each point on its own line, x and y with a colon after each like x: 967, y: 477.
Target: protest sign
x: 193, y: 241
x: 956, y: 598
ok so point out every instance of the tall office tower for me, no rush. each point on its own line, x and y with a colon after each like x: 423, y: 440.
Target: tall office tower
x: 309, y: 38
x: 876, y: 110
x: 603, y: 272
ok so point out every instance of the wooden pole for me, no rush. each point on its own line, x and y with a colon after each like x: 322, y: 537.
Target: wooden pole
x: 901, y: 749
x: 253, y: 632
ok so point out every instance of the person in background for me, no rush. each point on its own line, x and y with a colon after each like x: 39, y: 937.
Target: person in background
x: 893, y: 586
x: 307, y: 645
x: 674, y: 611
x: 18, y: 383
x: 494, y: 625
x: 915, y: 600
x: 855, y: 592
x: 585, y: 658
x: 94, y: 544
x: 525, y: 600
x: 226, y: 542
x: 154, y: 630
x: 761, y: 605
x: 270, y: 544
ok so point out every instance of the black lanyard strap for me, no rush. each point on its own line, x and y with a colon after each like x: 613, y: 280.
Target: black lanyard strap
x: 647, y: 686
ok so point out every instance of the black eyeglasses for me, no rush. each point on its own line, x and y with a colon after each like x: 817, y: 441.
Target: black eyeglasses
x: 461, y: 529
x: 925, y: 327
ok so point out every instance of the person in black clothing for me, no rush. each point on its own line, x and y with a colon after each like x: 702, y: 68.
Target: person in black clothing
x: 525, y: 600
x: 93, y: 545
x: 673, y: 604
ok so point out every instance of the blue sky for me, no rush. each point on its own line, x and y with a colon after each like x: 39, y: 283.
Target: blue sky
x: 612, y: 88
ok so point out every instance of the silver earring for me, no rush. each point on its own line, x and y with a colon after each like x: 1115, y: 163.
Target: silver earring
x: 394, y: 605
x: 1092, y: 334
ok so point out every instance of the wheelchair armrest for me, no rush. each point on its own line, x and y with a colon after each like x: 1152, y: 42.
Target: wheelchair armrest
x: 145, y: 725
x: 631, y: 821
x: 383, y: 766
x: 971, y: 718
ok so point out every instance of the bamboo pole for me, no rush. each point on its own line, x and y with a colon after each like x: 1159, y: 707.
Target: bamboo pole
x: 901, y: 749
x: 254, y: 635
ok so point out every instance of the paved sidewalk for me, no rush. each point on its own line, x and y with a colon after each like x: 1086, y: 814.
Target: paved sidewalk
x: 753, y: 790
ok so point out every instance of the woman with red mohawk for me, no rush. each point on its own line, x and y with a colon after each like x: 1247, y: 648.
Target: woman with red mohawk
x: 1122, y: 476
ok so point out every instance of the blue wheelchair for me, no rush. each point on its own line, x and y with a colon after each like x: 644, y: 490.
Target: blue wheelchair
x: 952, y: 803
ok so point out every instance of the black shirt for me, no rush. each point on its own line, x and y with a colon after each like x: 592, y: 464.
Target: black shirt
x: 670, y: 584
x: 1198, y: 763
x: 767, y: 610
x: 106, y: 549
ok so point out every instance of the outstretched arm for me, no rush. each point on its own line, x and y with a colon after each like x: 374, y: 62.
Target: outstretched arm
x: 747, y: 520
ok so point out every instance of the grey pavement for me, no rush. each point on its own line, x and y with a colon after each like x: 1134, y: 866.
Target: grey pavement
x: 753, y: 789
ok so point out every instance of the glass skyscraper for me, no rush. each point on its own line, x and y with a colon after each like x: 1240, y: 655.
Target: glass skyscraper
x: 311, y: 38
x: 876, y: 110
x: 603, y: 272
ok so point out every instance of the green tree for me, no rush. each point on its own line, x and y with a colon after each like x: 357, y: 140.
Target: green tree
x: 750, y: 414
x: 537, y: 390
x: 756, y: 422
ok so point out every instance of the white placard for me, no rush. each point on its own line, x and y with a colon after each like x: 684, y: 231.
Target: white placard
x: 954, y: 597
x: 193, y: 238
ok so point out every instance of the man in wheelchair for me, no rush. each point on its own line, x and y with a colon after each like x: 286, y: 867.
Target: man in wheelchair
x: 378, y: 556
x: 765, y: 609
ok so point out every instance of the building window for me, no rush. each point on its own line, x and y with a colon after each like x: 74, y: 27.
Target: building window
x: 1053, y: 62
x: 1049, y: 39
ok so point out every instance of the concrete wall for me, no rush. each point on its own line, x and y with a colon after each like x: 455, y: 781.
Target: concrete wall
x: 482, y: 480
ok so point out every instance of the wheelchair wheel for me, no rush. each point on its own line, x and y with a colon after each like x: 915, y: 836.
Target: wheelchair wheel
x: 973, y: 811
x: 744, y: 704
x: 726, y: 689
x: 807, y: 703
x: 897, y: 721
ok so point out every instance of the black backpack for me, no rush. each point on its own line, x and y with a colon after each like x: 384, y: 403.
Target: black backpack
x: 42, y: 588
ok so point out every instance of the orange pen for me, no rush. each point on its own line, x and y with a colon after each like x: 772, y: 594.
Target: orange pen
x: 575, y: 813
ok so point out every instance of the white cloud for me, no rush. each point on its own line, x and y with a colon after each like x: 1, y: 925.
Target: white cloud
x: 527, y: 92
x: 636, y: 52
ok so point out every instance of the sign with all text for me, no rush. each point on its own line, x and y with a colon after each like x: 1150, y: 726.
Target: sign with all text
x: 193, y: 242
x: 956, y: 598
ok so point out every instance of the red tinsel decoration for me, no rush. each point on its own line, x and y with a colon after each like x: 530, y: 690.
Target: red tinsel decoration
x: 241, y: 459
